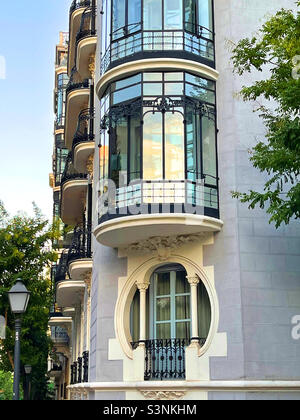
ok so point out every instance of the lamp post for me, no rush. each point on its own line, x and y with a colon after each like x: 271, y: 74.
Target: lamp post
x: 28, y: 370
x: 18, y: 300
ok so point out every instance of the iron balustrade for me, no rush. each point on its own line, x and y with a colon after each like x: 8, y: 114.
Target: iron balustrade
x: 75, y: 82
x: 78, y: 4
x: 70, y: 172
x: 79, y: 369
x: 84, y: 132
x: 165, y: 358
x: 196, y: 40
x: 81, y: 245
x: 87, y: 25
x: 62, y: 267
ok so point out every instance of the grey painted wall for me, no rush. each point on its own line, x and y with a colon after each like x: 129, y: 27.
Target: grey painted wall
x: 257, y: 268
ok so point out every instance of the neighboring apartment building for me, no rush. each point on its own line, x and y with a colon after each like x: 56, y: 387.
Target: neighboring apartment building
x: 174, y: 290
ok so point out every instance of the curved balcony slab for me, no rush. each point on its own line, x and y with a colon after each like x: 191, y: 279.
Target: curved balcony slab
x: 80, y: 268
x: 72, y: 201
x: 69, y: 292
x: 124, y: 231
x: 86, y: 48
x: 82, y: 152
x: 77, y: 100
x: 60, y: 321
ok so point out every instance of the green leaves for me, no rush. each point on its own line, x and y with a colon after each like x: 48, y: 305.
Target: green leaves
x: 273, y: 52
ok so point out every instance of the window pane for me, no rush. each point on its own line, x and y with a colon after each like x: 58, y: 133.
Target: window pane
x: 163, y: 284
x: 126, y: 94
x: 205, y: 83
x: 163, y: 331
x: 192, y: 133
x: 126, y: 82
x: 205, y: 14
x: 204, y: 311
x: 183, y: 330
x: 174, y: 146
x: 173, y: 14
x: 174, y: 89
x: 153, y: 89
x: 152, y: 146
x: 200, y: 93
x: 190, y: 10
x: 173, y: 76
x: 163, y: 309
x: 209, y: 150
x: 118, y: 159
x: 152, y: 14
x: 118, y: 19
x: 134, y: 15
x: 151, y: 77
x: 182, y: 285
x: 182, y: 307
x: 135, y: 148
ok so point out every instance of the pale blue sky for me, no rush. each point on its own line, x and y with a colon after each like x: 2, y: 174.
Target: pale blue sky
x: 29, y: 31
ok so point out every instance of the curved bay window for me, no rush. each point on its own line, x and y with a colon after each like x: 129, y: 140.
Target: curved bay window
x: 169, y: 321
x: 184, y: 28
x: 158, y: 142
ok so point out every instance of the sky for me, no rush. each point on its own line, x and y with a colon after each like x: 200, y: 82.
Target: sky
x: 29, y: 32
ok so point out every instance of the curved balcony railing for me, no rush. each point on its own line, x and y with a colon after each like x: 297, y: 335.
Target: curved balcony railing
x: 80, y: 369
x: 78, y: 4
x: 70, y: 172
x: 75, y: 82
x: 197, y: 43
x: 165, y: 358
x: 62, y: 267
x: 87, y: 25
x: 84, y: 132
x: 81, y: 245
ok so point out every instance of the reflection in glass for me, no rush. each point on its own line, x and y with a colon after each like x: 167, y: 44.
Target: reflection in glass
x: 134, y: 15
x: 126, y: 94
x: 152, y: 77
x: 135, y: 148
x: 163, y: 284
x: 153, y: 89
x: 173, y: 14
x: 174, y: 146
x: 190, y: 17
x: 206, y: 14
x: 152, y: 146
x: 118, y: 20
x: 126, y: 82
x: 174, y: 89
x: 171, y: 77
x: 200, y: 93
x: 163, y: 308
x: 209, y: 150
x: 152, y: 14
x: 119, y: 141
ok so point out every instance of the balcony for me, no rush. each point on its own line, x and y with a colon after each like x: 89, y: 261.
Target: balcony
x: 86, y: 42
x: 83, y: 142
x: 150, y: 209
x: 76, y: 11
x: 74, y: 188
x: 58, y: 320
x: 59, y: 336
x: 80, y: 369
x: 78, y: 93
x: 80, y: 254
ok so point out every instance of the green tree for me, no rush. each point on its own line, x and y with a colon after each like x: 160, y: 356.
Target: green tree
x: 25, y: 253
x: 276, y: 52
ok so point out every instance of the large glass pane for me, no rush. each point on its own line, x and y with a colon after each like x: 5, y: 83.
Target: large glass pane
x: 134, y: 15
x: 163, y: 331
x: 190, y: 15
x: 135, y: 148
x: 183, y: 330
x: 173, y: 14
x: 163, y: 284
x: 191, y: 144
x: 171, y: 77
x: 182, y: 285
x: 174, y: 146
x: 152, y: 89
x: 118, y: 19
x: 209, y: 150
x: 182, y: 307
x: 152, y: 146
x: 195, y: 80
x: 174, y: 89
x: 152, y: 15
x: 163, y: 309
x: 152, y: 77
x: 119, y: 142
x: 126, y: 94
x: 200, y: 93
x: 126, y: 82
x: 205, y: 14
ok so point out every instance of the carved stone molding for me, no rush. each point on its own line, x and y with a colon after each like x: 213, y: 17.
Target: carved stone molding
x: 163, y: 395
x: 92, y: 65
x: 90, y: 166
x: 165, y: 245
x: 193, y: 280
x: 143, y: 285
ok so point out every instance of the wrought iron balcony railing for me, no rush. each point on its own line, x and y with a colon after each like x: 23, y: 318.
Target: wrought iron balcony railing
x: 75, y: 82
x: 77, y: 4
x: 62, y: 267
x: 81, y: 245
x: 80, y: 369
x: 165, y: 358
x: 70, y: 172
x: 84, y: 132
x: 87, y: 25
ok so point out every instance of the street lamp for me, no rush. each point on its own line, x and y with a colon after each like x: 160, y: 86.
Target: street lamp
x: 28, y: 370
x: 18, y: 300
